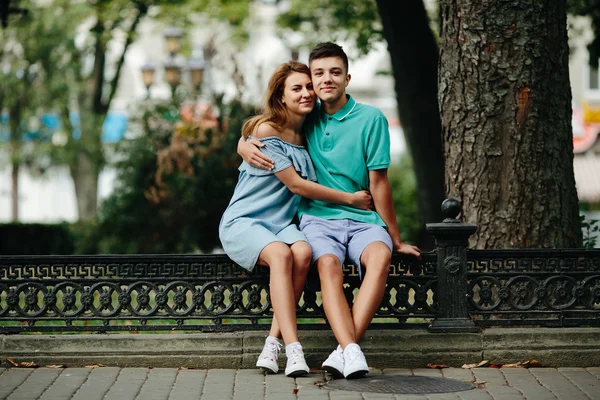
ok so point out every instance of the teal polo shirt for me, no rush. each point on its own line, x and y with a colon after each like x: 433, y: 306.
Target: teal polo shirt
x: 344, y: 147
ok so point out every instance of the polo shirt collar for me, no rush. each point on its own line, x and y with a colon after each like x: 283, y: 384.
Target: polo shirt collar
x: 343, y: 112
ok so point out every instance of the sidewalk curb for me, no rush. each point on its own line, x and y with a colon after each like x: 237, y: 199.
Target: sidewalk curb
x: 558, y: 347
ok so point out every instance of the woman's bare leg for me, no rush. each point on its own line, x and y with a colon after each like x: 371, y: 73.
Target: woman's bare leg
x: 302, y: 256
x: 278, y: 257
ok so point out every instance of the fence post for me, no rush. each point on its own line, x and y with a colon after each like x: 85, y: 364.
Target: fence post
x: 452, y: 239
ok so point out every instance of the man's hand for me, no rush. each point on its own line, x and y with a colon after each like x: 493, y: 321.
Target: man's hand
x: 405, y: 248
x: 250, y: 153
x: 363, y: 200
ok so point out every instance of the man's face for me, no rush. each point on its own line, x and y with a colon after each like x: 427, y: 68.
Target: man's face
x: 330, y: 78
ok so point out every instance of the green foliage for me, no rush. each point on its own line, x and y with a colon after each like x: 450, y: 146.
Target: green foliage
x: 590, y: 229
x: 404, y: 193
x: 36, y: 239
x: 174, y: 182
x: 334, y: 20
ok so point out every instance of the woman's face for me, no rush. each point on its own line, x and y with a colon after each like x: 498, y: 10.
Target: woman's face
x: 298, y: 94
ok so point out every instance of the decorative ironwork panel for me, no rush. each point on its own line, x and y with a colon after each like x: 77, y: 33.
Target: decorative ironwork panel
x: 165, y: 292
x: 534, y: 287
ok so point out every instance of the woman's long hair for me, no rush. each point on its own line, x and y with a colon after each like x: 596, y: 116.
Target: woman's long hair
x: 275, y: 112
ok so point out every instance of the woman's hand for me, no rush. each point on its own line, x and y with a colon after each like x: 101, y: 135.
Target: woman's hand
x: 250, y: 153
x: 363, y: 200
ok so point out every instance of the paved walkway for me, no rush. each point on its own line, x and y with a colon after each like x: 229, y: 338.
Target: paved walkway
x: 251, y: 384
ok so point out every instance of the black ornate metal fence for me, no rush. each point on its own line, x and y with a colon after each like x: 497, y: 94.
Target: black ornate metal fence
x: 451, y: 289
x: 167, y: 292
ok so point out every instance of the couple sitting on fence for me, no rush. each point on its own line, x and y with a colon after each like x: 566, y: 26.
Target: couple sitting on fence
x: 348, y: 154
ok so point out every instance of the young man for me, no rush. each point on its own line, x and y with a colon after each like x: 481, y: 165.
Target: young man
x: 350, y: 147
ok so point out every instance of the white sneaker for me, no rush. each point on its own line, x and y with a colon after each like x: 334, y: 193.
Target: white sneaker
x: 355, y: 364
x: 335, y: 363
x: 296, y: 365
x: 270, y: 355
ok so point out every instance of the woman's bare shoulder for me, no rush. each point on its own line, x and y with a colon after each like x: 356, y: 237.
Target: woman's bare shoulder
x: 264, y: 130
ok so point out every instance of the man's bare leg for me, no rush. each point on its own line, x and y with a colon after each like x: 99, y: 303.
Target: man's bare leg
x: 334, y: 302
x: 376, y: 258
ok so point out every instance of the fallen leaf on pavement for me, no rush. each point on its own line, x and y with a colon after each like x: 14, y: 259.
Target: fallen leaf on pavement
x: 514, y: 365
x: 479, y: 384
x: 295, y: 391
x: 319, y: 383
x: 532, y: 364
x: 24, y: 364
x: 483, y: 363
x: 94, y: 366
x: 55, y: 366
x: 437, y: 366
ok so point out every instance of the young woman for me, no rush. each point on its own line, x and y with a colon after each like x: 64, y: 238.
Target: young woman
x: 257, y: 226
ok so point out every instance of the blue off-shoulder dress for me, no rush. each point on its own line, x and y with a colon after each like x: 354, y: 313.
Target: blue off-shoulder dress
x: 262, y: 208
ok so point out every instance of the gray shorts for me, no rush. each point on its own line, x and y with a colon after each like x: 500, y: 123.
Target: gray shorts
x: 344, y: 238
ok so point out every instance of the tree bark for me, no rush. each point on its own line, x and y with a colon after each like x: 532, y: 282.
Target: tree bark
x: 85, y: 179
x: 505, y: 103
x: 15, y: 157
x: 414, y: 56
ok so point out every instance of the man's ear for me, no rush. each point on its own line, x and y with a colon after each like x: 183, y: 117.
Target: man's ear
x: 348, y: 79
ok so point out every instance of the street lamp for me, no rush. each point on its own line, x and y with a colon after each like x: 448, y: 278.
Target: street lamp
x: 148, y: 77
x: 196, y: 67
x: 173, y: 37
x: 175, y: 66
x: 173, y: 74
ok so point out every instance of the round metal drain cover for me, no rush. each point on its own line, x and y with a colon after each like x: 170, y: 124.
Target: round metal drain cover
x: 399, y: 384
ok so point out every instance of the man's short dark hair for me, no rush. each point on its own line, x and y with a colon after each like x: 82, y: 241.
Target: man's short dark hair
x: 328, y: 49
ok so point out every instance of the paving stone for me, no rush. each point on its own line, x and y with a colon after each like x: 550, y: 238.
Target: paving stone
x: 585, y: 381
x: 66, y: 384
x: 35, y: 384
x: 309, y: 385
x: 594, y: 371
x: 475, y: 394
x: 427, y: 372
x: 378, y: 396
x: 252, y: 384
x: 188, y: 384
x: 458, y: 373
x: 249, y: 384
x: 344, y: 395
x: 11, y: 379
x: 558, y: 384
x: 504, y: 393
x: 522, y: 380
x: 443, y: 396
x: 98, y: 382
x: 219, y: 382
x: 158, y: 384
x: 397, y: 371
x: 492, y: 376
x: 128, y: 384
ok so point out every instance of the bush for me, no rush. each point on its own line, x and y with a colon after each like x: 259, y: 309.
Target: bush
x: 36, y: 239
x: 173, y: 184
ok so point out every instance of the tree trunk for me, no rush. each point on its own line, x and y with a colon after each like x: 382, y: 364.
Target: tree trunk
x: 87, y: 164
x: 85, y: 180
x: 15, y: 186
x: 505, y: 103
x: 15, y: 158
x: 414, y: 57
